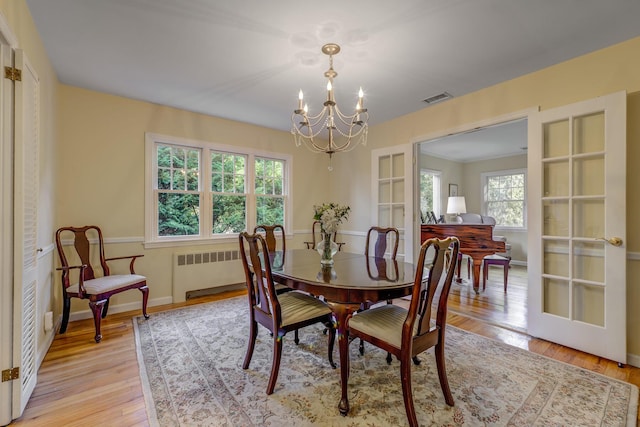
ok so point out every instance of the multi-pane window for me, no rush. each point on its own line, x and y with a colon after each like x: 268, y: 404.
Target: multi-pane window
x: 504, y: 197
x: 178, y: 195
x: 268, y: 189
x: 197, y: 190
x: 229, y: 194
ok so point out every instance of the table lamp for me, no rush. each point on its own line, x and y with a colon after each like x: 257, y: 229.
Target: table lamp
x: 456, y: 205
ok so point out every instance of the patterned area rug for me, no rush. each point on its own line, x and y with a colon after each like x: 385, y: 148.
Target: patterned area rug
x: 190, y: 365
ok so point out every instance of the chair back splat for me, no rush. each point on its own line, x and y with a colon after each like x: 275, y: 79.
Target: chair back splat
x: 91, y: 286
x: 271, y: 238
x: 407, y: 333
x: 382, y: 238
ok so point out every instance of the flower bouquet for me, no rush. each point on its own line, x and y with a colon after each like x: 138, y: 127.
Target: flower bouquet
x: 330, y: 216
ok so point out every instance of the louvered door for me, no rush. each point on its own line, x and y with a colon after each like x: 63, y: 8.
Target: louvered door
x: 26, y: 172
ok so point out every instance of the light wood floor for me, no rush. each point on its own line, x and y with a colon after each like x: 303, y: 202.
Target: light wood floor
x: 81, y: 383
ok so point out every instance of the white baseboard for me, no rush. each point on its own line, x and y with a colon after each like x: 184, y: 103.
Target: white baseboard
x: 633, y: 360
x: 42, y: 351
x: 87, y: 314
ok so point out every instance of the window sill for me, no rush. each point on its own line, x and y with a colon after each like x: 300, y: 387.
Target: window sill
x: 168, y: 243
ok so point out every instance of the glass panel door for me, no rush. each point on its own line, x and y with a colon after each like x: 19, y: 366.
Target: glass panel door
x: 577, y: 259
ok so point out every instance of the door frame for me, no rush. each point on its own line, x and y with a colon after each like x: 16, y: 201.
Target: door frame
x: 465, y: 127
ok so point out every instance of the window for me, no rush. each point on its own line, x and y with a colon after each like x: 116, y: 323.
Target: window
x: 504, y: 197
x: 429, y: 194
x: 197, y: 190
x: 178, y: 194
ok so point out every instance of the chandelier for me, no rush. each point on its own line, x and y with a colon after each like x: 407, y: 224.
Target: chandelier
x: 330, y: 131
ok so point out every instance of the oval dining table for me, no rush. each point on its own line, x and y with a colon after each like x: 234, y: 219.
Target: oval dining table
x: 352, y: 280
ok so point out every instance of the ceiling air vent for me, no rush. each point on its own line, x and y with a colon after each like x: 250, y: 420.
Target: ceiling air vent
x: 437, y: 98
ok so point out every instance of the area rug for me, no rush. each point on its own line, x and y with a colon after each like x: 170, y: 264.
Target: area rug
x: 191, y: 370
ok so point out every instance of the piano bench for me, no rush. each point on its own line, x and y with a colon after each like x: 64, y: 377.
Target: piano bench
x: 495, y: 260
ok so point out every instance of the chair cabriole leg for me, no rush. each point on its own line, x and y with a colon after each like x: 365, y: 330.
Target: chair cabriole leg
x: 66, y: 307
x: 96, y: 309
x: 145, y: 298
x: 332, y: 339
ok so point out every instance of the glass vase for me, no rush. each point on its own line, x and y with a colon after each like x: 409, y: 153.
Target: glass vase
x: 327, y: 248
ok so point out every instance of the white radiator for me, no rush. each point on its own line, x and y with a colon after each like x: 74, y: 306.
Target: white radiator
x: 204, y: 270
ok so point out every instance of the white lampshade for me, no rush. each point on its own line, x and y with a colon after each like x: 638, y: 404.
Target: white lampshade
x: 456, y: 205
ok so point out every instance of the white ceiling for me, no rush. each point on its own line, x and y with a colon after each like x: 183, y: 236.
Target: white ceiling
x: 247, y: 59
x: 491, y: 142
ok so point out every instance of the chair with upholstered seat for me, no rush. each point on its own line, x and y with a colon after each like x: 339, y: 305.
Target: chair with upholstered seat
x: 381, y: 238
x: 315, y: 237
x: 278, y: 313
x: 407, y: 333
x: 91, y: 286
x: 276, y: 254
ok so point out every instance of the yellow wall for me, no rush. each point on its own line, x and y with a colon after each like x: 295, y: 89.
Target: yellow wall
x: 18, y: 18
x: 606, y: 71
x: 92, y: 153
x: 101, y: 176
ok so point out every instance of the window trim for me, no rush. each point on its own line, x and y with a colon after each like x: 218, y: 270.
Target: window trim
x: 151, y: 238
x: 483, y: 187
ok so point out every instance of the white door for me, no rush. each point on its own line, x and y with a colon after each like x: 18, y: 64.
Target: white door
x: 6, y: 231
x: 392, y: 193
x: 577, y: 227
x: 25, y: 264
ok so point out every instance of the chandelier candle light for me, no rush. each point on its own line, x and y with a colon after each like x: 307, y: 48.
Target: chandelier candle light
x: 342, y: 132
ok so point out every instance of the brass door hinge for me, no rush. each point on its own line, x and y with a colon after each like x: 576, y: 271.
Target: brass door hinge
x: 10, y: 374
x: 12, y: 74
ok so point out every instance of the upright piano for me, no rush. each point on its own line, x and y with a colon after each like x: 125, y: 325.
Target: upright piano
x: 476, y: 240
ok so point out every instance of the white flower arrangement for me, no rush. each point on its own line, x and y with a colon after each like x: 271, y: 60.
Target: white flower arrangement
x: 330, y: 216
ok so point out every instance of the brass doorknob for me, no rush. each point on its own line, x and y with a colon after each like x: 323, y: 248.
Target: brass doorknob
x: 615, y: 241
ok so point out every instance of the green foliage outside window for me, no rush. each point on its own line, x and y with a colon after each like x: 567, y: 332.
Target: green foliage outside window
x: 269, y: 177
x: 228, y: 184
x: 180, y: 189
x: 426, y: 193
x: 179, y: 203
x: 505, y: 199
x: 229, y: 214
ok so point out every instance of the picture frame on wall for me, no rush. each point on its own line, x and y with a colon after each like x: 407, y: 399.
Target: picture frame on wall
x: 453, y: 190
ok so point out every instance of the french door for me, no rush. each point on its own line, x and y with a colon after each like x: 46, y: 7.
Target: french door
x: 577, y: 227
x: 392, y: 194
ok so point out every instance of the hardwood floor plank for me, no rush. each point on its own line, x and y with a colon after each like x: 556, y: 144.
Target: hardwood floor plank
x: 82, y: 383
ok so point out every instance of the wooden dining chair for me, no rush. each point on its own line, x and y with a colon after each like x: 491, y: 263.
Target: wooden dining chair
x: 94, y: 287
x: 277, y: 248
x: 384, y: 237
x: 278, y: 313
x: 315, y: 237
x: 381, y: 238
x: 407, y: 333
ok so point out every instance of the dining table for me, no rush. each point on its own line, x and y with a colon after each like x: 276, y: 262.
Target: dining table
x: 351, y: 280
